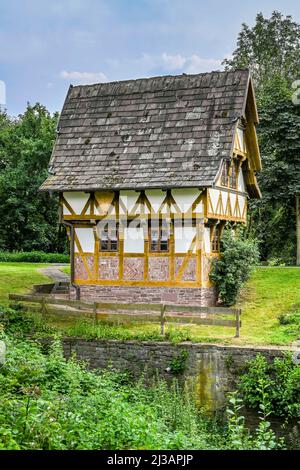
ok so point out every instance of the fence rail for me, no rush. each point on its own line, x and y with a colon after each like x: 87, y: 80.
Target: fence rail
x: 140, y: 312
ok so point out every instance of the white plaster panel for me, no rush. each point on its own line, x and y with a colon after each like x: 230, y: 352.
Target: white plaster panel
x: 241, y: 136
x: 86, y: 239
x: 214, y: 197
x: 232, y: 202
x: 155, y: 197
x: 133, y: 240
x: 206, y: 239
x: 199, y: 208
x: 224, y: 201
x: 241, y: 182
x: 77, y: 201
x: 242, y: 201
x: 185, y: 197
x: 183, y: 237
x: 128, y: 198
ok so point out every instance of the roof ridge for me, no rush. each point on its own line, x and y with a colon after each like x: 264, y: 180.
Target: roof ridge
x: 160, y: 77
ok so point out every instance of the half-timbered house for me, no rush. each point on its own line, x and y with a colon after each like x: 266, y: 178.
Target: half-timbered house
x: 148, y: 172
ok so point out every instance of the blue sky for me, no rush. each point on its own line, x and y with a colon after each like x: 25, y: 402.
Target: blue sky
x: 47, y: 44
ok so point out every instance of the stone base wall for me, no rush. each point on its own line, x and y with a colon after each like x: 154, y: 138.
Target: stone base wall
x: 210, y: 370
x: 140, y: 294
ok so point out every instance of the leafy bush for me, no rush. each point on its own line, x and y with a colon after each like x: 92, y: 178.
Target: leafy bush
x: 281, y: 379
x: 239, y: 437
x: 47, y: 402
x: 291, y: 318
x: 178, y: 363
x: 20, y: 323
x: 234, y: 267
x: 33, y: 257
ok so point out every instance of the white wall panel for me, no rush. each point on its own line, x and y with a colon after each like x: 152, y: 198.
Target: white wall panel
x: 232, y: 202
x: 206, y: 239
x: 183, y: 237
x: 199, y: 208
x: 214, y: 197
x: 185, y: 197
x: 242, y: 201
x: 133, y: 240
x: 77, y: 201
x: 155, y: 197
x: 86, y: 239
x: 128, y: 199
x: 241, y: 182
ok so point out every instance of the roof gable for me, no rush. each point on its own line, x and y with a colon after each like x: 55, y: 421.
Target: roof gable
x: 161, y: 132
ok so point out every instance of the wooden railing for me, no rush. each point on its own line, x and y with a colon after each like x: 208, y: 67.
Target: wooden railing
x: 140, y: 312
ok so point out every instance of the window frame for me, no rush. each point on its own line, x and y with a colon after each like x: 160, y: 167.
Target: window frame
x: 110, y: 240
x: 159, y: 227
x: 215, y: 238
x: 227, y: 173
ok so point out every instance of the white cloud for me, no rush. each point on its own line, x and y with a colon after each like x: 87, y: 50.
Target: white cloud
x: 177, y: 63
x: 173, y: 62
x: 83, y: 77
x: 196, y: 64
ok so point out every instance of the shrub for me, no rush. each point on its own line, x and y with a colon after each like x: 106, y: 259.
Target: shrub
x: 49, y: 403
x: 279, y: 381
x: 290, y: 318
x: 33, y: 257
x: 234, y: 267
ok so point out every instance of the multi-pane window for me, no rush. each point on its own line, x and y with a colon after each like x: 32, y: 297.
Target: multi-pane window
x: 215, y: 238
x: 229, y: 174
x: 233, y: 174
x: 109, y: 238
x: 159, y: 235
x: 225, y: 173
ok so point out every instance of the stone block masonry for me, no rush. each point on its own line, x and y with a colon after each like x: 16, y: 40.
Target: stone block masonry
x: 150, y: 294
x: 210, y: 370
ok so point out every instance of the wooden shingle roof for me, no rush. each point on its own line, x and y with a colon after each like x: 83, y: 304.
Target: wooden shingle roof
x: 161, y: 132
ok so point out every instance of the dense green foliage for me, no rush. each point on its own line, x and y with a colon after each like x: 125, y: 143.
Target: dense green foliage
x: 277, y: 384
x: 33, y: 257
x: 273, y: 218
x: 230, y: 272
x: 271, y: 50
x: 29, y: 219
x: 271, y: 47
x: 47, y: 402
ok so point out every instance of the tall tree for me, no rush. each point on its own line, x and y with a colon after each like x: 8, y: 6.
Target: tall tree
x: 28, y: 218
x: 271, y: 50
x: 271, y: 47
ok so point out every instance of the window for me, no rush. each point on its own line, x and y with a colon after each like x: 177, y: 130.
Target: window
x: 233, y: 174
x: 225, y: 173
x: 215, y: 236
x: 109, y: 236
x: 159, y: 235
x: 229, y: 174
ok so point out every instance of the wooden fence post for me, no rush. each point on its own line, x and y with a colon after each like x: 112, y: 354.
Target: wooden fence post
x: 162, y: 319
x: 237, y: 328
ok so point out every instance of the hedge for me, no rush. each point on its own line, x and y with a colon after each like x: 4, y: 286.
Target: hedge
x: 34, y: 257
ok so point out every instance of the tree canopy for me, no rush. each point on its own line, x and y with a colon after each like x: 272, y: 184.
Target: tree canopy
x: 271, y: 50
x: 28, y: 219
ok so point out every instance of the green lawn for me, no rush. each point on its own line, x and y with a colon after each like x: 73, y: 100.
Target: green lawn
x: 66, y: 269
x: 19, y: 277
x: 270, y: 292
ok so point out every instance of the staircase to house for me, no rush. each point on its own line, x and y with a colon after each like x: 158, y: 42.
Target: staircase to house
x: 61, y: 287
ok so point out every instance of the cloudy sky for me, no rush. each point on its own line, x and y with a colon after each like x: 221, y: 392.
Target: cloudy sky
x: 47, y: 44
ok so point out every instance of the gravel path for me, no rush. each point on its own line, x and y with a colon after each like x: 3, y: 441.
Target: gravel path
x: 55, y: 273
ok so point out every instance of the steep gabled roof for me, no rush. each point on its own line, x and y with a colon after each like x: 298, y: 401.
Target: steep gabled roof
x: 161, y: 132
